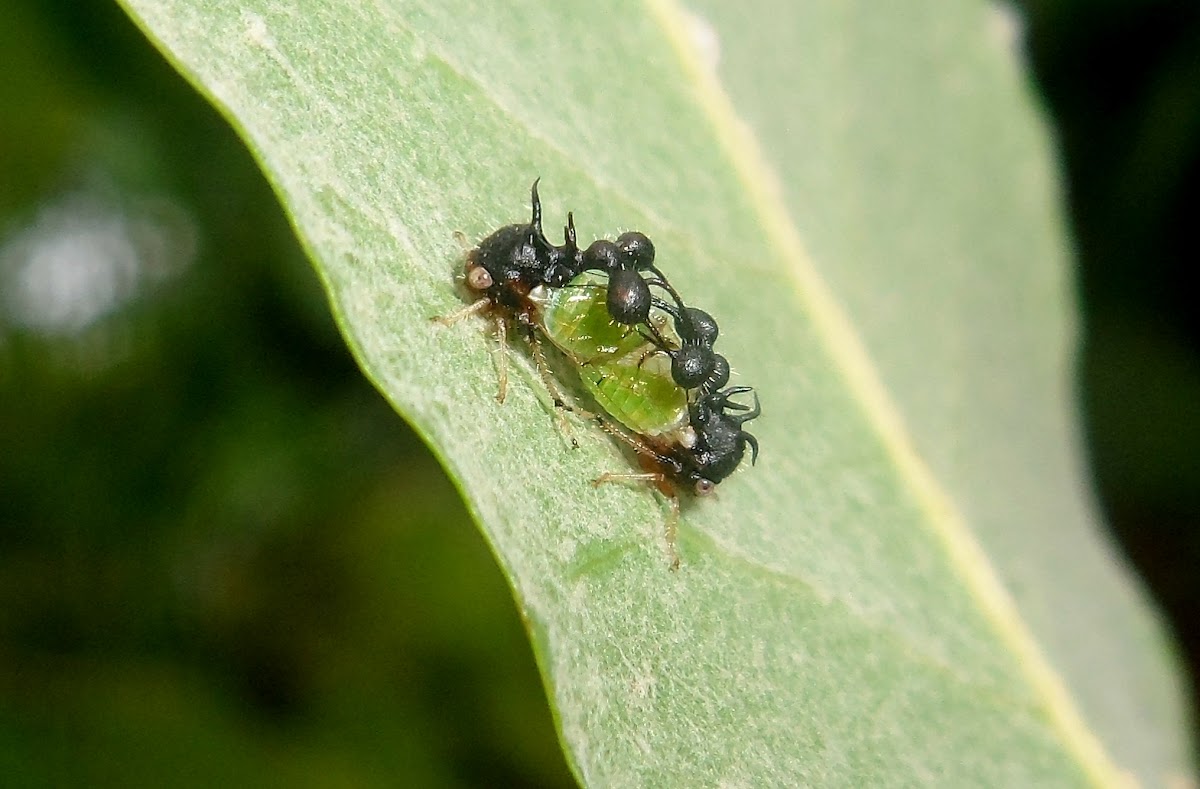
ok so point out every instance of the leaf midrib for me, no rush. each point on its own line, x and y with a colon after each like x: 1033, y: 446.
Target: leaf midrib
x: 848, y: 353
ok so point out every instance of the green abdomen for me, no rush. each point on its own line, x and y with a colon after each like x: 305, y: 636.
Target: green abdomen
x: 614, y: 361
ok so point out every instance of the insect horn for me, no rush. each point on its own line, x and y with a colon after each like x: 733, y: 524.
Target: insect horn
x: 536, y: 221
x: 536, y: 235
x: 750, y: 413
x: 569, y: 237
x: 753, y: 442
x: 721, y: 402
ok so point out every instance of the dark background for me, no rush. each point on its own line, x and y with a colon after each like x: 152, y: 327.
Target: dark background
x: 224, y: 558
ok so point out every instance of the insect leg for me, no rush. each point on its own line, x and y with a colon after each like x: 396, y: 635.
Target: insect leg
x: 462, y: 312
x: 671, y: 528
x: 621, y: 476
x: 637, y: 445
x: 649, y: 354
x: 560, y: 400
x: 501, y: 358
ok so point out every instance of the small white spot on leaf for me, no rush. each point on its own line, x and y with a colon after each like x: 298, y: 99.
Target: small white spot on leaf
x: 705, y: 39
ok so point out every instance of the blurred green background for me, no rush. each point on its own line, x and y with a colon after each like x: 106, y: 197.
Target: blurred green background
x: 223, y: 558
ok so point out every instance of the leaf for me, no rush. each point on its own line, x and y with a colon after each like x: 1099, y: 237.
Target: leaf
x: 911, y: 587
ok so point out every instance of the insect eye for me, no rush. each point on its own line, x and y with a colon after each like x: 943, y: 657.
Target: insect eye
x: 478, y: 278
x: 704, y: 486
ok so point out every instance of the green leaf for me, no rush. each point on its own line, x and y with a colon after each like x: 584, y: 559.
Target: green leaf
x: 911, y: 587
